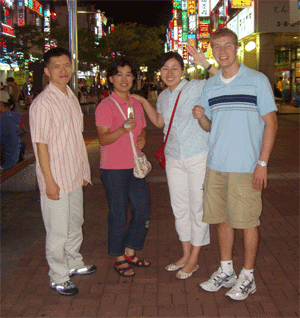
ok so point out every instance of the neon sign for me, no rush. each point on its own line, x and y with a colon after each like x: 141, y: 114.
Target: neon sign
x: 35, y: 6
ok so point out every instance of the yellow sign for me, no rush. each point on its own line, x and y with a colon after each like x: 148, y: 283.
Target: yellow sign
x: 20, y: 77
x: 241, y: 3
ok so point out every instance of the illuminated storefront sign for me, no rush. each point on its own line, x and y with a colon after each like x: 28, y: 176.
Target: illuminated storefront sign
x: 191, y: 7
x: 192, y: 40
x: 192, y: 23
x: 213, y: 3
x: 184, y: 26
x: 176, y: 4
x: 6, y: 29
x: 184, y: 5
x: 205, y: 45
x: 184, y: 52
x: 246, y: 22
x: 35, y: 6
x: 204, y: 30
x: 243, y: 23
x: 240, y: 3
x: 179, y: 41
x: 203, y: 8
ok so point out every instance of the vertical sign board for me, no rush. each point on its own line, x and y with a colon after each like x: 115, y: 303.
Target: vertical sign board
x: 203, y: 8
x: 184, y: 5
x: 191, y: 7
x: 233, y: 25
x: 21, y: 13
x: 179, y: 41
x: 246, y: 22
x: 274, y: 16
x: 184, y: 26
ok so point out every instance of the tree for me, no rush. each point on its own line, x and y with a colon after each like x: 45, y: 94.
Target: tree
x: 142, y: 44
x: 27, y: 42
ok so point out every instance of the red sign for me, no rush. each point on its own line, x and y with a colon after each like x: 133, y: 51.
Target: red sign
x: 204, y: 31
x: 7, y: 29
x: 184, y: 52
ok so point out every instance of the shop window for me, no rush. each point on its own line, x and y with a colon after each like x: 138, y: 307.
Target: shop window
x: 282, y: 57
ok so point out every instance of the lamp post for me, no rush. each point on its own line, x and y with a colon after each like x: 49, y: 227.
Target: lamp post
x: 73, y: 43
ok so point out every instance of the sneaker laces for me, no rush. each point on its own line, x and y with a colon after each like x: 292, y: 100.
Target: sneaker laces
x: 243, y: 283
x: 68, y: 284
x: 219, y: 277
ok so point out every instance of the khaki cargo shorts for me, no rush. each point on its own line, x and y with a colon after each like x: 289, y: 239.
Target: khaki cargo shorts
x: 229, y: 197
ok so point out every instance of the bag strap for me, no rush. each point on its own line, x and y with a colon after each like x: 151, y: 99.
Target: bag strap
x: 171, y: 120
x: 130, y: 133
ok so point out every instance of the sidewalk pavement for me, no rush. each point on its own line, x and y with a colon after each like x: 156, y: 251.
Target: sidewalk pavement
x: 153, y: 292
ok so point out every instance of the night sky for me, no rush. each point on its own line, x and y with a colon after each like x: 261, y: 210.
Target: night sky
x: 146, y: 12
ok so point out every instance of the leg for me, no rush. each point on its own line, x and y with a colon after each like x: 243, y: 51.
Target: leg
x: 226, y: 241
x: 56, y: 220
x: 140, y: 213
x: 196, y: 167
x: 118, y: 203
x: 179, y: 195
x: 251, y: 238
x: 116, y: 183
x: 139, y: 222
x: 75, y: 235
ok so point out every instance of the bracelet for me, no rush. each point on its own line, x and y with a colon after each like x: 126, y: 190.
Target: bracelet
x: 207, y: 69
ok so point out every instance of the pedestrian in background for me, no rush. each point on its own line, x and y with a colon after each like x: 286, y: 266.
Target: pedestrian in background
x: 62, y: 169
x: 241, y: 115
x: 116, y: 166
x: 14, y: 91
x: 186, y: 152
x: 11, y: 127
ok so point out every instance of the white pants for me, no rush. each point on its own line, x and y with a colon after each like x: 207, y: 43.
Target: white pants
x: 185, y: 180
x: 63, y: 221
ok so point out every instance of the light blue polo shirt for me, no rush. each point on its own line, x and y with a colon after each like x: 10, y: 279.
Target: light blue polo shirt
x: 186, y: 138
x: 236, y: 110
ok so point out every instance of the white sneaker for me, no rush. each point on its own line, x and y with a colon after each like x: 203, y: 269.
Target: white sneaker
x: 242, y: 289
x: 219, y: 279
x: 66, y: 288
x: 85, y: 270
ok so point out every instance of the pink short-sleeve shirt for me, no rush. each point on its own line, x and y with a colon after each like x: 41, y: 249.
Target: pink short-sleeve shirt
x: 119, y: 155
x: 57, y: 120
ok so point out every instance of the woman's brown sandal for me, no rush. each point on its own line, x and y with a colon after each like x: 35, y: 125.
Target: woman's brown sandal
x: 140, y: 262
x: 121, y: 270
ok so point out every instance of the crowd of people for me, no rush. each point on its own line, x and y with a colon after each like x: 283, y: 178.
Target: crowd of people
x: 217, y: 155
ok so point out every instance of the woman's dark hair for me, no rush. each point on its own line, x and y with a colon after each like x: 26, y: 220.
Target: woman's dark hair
x: 113, y: 69
x: 55, y: 52
x: 171, y: 55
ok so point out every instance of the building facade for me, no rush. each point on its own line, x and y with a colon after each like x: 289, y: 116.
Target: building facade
x: 268, y: 33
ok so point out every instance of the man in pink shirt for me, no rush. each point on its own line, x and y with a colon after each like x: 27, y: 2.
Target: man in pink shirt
x: 56, y: 123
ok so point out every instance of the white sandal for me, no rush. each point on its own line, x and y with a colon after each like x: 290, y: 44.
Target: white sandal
x: 184, y: 275
x: 172, y: 267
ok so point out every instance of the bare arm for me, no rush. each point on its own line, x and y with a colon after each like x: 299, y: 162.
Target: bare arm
x: 260, y: 173
x: 141, y: 140
x: 204, y: 122
x: 154, y: 116
x: 52, y: 188
x: 107, y: 137
x: 199, y: 58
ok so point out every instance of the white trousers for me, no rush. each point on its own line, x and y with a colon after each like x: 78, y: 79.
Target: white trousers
x: 185, y: 180
x: 63, y: 221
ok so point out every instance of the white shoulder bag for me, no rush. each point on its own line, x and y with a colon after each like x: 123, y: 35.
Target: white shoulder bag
x: 142, y: 165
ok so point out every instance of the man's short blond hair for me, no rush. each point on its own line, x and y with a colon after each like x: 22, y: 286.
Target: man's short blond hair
x: 224, y: 32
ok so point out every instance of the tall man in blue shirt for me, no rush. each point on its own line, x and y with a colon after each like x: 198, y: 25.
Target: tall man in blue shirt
x: 239, y: 110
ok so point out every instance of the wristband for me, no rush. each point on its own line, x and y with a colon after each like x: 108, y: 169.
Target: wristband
x: 207, y: 69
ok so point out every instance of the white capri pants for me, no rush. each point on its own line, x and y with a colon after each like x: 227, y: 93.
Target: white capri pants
x: 63, y: 221
x: 185, y: 180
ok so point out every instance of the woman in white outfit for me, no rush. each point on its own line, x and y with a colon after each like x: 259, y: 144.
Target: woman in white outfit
x: 186, y: 152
